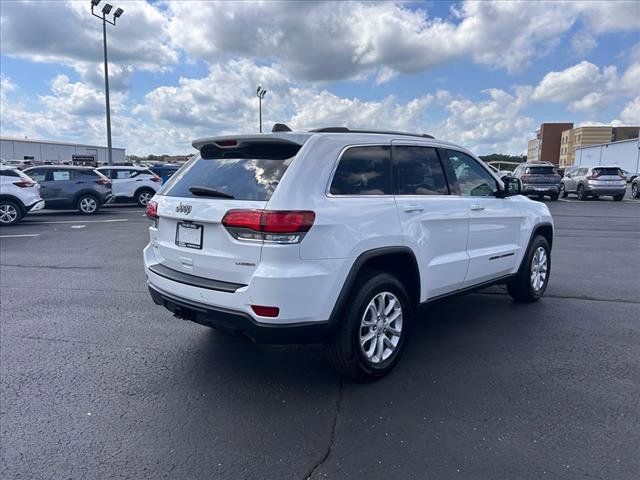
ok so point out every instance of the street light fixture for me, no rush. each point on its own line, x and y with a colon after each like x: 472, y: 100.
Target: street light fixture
x: 105, y: 11
x: 260, y: 93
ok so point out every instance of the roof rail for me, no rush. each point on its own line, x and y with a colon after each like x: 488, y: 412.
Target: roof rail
x: 351, y: 130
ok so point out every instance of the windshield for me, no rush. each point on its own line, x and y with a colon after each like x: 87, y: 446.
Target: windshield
x: 240, y: 178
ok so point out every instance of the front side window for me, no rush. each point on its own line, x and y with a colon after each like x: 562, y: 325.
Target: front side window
x: 363, y: 170
x: 419, y: 171
x: 470, y: 179
x: 124, y: 174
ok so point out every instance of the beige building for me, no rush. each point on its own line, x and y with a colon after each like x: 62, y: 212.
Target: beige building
x: 584, y: 136
x: 532, y: 150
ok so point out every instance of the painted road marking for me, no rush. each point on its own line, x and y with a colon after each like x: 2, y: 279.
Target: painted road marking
x: 78, y: 226
x: 20, y: 236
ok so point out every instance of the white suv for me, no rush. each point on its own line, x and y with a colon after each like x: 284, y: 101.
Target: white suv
x: 19, y: 194
x: 337, y: 235
x: 137, y: 183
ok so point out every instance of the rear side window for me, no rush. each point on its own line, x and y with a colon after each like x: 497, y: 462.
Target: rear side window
x: 363, y: 171
x: 419, y: 171
x: 254, y: 178
x: 60, y: 175
x: 37, y: 174
x: 123, y: 174
x: 85, y: 174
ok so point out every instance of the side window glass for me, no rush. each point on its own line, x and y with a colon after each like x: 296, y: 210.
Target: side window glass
x: 419, y: 171
x: 106, y: 172
x: 363, y: 171
x: 60, y: 175
x: 469, y: 178
x: 124, y: 174
x: 38, y: 175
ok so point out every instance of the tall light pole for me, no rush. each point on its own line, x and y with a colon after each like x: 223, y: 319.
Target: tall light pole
x: 260, y: 93
x: 105, y: 11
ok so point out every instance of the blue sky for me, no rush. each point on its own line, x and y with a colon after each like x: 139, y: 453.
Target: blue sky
x: 483, y: 74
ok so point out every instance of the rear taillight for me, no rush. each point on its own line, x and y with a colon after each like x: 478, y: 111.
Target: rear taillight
x: 276, y: 226
x: 151, y: 210
x: 24, y: 184
x: 156, y: 179
x: 103, y: 181
x: 593, y: 177
x: 265, y: 311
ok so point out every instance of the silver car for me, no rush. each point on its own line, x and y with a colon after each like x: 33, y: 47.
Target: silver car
x: 594, y: 182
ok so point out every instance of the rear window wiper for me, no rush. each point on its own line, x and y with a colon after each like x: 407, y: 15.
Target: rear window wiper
x: 208, y: 192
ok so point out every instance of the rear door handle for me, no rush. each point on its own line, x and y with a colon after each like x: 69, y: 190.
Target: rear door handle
x: 413, y: 208
x: 476, y: 207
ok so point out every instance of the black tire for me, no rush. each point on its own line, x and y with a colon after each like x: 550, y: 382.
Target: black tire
x: 88, y: 204
x: 618, y: 198
x: 563, y: 191
x: 344, y: 349
x: 521, y: 286
x: 581, y: 193
x: 540, y: 197
x: 10, y: 212
x: 554, y: 196
x: 635, y: 190
x: 143, y: 196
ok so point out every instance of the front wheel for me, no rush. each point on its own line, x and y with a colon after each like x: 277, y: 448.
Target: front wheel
x: 10, y: 212
x: 581, y: 193
x: 618, y: 198
x: 372, y: 334
x: 635, y: 190
x: 554, y: 196
x: 563, y: 191
x: 88, y: 205
x: 531, y: 281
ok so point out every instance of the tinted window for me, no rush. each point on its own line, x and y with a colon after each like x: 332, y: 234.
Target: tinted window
x: 546, y: 170
x: 38, y: 174
x: 363, y: 171
x: 581, y: 171
x: 85, y: 174
x: 243, y: 178
x: 60, y: 175
x: 607, y: 171
x: 419, y: 171
x: 9, y: 173
x: 469, y: 178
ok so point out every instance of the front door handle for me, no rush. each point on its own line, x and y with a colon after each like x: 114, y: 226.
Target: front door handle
x: 413, y: 208
x: 476, y: 207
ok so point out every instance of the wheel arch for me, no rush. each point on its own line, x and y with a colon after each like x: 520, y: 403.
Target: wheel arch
x: 399, y: 261
x: 16, y: 200
x: 545, y: 229
x: 83, y: 193
x: 143, y: 188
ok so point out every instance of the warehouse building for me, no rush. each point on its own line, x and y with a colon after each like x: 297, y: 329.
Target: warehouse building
x: 46, y: 151
x: 592, y: 135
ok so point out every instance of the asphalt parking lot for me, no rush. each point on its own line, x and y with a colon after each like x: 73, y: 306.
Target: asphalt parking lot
x: 98, y: 382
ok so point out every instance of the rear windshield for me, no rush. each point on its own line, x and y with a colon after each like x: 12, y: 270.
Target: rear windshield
x: 541, y: 170
x: 607, y: 171
x: 241, y: 178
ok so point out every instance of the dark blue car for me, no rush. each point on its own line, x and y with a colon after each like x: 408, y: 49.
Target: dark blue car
x: 165, y: 171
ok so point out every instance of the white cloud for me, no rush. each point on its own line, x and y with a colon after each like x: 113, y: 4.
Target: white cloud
x: 583, y: 42
x: 630, y: 115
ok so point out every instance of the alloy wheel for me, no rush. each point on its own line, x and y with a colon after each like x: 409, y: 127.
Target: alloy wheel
x: 381, y: 327
x: 88, y: 205
x: 143, y: 198
x: 539, y: 268
x: 8, y: 213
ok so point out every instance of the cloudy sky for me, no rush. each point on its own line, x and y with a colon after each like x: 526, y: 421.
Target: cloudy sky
x: 483, y: 74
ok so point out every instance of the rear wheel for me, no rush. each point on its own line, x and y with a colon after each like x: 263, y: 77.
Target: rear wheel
x: 563, y: 191
x: 581, y: 193
x: 635, y: 190
x: 532, y: 278
x: 618, y: 198
x: 88, y: 204
x: 143, y: 197
x: 554, y: 196
x: 372, y: 334
x: 10, y: 212
x: 540, y: 197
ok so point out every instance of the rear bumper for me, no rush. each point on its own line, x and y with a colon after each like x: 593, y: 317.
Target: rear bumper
x: 530, y: 189
x: 39, y: 205
x: 598, y: 190
x: 239, y: 322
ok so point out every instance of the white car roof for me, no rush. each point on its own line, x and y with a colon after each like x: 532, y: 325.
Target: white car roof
x: 123, y: 167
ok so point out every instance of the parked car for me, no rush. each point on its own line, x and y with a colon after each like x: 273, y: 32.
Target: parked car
x: 19, y: 195
x: 635, y: 187
x: 294, y: 237
x: 629, y: 176
x: 72, y: 187
x: 132, y: 183
x: 594, y: 182
x: 19, y: 164
x: 539, y: 179
x: 165, y: 171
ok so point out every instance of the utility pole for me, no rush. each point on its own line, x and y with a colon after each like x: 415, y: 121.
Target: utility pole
x: 105, y: 11
x: 260, y: 93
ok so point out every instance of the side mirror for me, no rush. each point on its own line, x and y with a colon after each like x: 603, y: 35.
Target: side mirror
x: 512, y: 186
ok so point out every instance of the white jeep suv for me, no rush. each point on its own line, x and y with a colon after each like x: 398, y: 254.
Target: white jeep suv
x: 137, y: 183
x: 337, y: 235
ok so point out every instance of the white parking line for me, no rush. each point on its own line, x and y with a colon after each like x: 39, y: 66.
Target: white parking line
x: 78, y: 226
x: 75, y: 221
x: 20, y: 236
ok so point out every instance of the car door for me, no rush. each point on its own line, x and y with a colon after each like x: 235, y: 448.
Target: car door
x: 39, y: 175
x: 61, y: 186
x: 434, y: 224
x: 124, y: 182
x: 493, y: 243
x: 569, y: 180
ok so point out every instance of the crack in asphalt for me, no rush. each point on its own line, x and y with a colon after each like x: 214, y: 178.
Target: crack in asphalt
x: 332, y: 436
x: 573, y: 297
